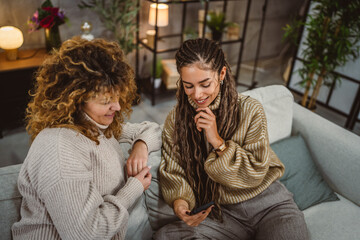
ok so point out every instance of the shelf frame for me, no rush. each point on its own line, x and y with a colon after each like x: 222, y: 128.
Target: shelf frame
x: 155, y: 51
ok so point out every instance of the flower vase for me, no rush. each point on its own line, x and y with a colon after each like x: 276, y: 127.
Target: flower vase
x: 52, y: 38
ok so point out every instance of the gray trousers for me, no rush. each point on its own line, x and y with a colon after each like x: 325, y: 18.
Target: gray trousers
x: 272, y: 215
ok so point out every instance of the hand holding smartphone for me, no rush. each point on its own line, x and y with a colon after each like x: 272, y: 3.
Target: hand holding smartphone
x: 202, y: 208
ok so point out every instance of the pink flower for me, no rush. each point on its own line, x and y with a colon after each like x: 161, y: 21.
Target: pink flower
x: 36, y: 15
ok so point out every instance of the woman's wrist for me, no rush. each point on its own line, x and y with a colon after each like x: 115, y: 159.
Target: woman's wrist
x: 180, y: 202
x: 218, y: 143
x: 221, y: 148
x: 140, y: 143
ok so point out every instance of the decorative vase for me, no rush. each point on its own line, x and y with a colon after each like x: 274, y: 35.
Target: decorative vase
x: 52, y: 38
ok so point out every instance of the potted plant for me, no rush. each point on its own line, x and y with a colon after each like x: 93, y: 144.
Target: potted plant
x: 216, y: 22
x: 158, y: 73
x: 332, y: 40
x: 233, y: 31
x: 189, y: 33
x: 118, y: 16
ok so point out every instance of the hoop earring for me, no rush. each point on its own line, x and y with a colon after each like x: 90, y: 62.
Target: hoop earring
x: 221, y: 82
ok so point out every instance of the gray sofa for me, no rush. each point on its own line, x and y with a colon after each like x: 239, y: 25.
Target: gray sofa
x: 334, y: 150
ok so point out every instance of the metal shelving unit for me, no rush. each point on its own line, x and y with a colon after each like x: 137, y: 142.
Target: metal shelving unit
x: 150, y: 88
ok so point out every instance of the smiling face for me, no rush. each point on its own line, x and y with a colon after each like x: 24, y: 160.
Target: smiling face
x: 102, y: 108
x: 202, y: 86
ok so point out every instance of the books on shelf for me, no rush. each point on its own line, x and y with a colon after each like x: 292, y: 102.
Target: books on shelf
x: 170, y: 75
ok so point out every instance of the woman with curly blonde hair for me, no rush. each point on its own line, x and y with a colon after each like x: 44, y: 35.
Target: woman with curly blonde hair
x: 73, y: 181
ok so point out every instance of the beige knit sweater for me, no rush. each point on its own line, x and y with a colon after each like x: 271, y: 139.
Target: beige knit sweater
x: 247, y: 167
x: 75, y: 189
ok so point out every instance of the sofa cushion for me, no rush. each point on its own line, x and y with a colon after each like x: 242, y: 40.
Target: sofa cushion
x: 301, y: 176
x: 160, y: 213
x: 333, y: 220
x: 277, y: 101
x: 10, y: 199
x: 139, y: 226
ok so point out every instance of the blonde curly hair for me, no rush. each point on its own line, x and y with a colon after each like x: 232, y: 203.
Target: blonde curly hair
x: 75, y: 73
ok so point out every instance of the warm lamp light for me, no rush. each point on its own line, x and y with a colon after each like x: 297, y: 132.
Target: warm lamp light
x: 162, y: 17
x: 11, y: 38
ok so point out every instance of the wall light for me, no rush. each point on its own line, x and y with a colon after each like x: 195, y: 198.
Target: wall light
x: 162, y: 17
x: 11, y: 38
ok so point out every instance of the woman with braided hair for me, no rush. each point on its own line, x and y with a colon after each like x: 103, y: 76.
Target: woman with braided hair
x: 73, y: 181
x: 216, y: 149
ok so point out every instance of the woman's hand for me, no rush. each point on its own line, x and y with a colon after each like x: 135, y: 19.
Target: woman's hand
x: 144, y: 177
x: 206, y: 120
x: 181, y: 209
x: 137, y: 159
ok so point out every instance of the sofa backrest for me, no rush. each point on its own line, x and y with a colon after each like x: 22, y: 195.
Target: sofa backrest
x: 10, y: 199
x: 277, y: 101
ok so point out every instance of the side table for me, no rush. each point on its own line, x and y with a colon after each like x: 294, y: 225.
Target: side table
x: 16, y: 79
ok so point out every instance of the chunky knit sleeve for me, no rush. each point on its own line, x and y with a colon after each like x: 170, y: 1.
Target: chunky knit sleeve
x: 58, y: 184
x: 172, y: 175
x: 79, y: 211
x: 149, y: 132
x: 246, y: 161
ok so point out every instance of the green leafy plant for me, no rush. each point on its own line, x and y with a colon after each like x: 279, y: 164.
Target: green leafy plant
x: 118, y: 16
x: 292, y: 31
x: 216, y: 22
x: 332, y: 40
x: 233, y: 30
x: 159, y: 68
x: 189, y: 33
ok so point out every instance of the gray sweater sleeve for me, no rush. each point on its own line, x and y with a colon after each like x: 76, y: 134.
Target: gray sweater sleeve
x: 79, y: 212
x: 62, y: 174
x: 149, y: 132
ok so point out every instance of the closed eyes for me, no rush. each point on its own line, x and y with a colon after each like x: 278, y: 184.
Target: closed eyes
x: 191, y: 86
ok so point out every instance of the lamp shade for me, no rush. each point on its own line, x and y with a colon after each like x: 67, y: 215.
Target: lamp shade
x: 10, y: 38
x: 162, y: 17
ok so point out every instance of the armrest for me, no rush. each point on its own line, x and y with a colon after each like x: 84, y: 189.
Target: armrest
x: 335, y: 150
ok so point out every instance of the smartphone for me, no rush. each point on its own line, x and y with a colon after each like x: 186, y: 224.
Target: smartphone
x: 202, y: 208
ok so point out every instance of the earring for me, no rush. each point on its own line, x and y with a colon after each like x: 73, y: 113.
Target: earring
x: 221, y: 82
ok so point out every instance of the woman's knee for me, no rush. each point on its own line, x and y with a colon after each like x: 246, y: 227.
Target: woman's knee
x: 176, y: 230
x: 286, y: 225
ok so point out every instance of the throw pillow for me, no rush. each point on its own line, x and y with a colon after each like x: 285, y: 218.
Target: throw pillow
x: 301, y: 176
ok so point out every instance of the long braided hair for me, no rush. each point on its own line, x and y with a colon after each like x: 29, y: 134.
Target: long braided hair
x: 190, y: 142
